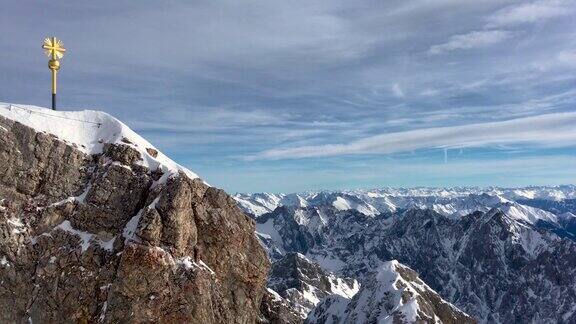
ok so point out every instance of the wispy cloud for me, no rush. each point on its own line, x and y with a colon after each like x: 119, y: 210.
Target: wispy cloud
x: 475, y: 39
x: 495, y: 30
x: 555, y: 130
x: 530, y: 12
x: 172, y: 119
x: 227, y: 78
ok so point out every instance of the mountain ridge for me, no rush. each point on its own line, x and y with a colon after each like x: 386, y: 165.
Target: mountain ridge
x: 480, y: 262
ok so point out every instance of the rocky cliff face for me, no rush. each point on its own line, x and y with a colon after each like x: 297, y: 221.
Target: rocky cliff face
x: 112, y: 237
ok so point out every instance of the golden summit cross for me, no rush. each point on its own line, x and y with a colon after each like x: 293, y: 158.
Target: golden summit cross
x: 54, y: 49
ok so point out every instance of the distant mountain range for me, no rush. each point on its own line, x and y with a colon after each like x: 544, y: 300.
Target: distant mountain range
x: 502, y: 255
x: 446, y: 201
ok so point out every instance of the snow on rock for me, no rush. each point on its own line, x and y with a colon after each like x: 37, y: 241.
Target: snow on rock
x: 274, y: 294
x: 189, y: 264
x: 4, y: 262
x: 89, y: 130
x: 341, y: 204
x: 267, y: 232
x: 17, y: 226
x: 342, y: 288
x: 460, y: 257
x: 252, y: 207
x: 85, y: 237
x: 327, y: 261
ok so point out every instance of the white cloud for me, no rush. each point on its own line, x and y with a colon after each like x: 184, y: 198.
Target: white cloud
x: 553, y: 130
x: 529, y: 13
x: 470, y: 40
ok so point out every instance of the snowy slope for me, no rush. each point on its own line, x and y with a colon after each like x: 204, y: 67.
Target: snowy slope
x: 89, y: 130
x: 526, y: 213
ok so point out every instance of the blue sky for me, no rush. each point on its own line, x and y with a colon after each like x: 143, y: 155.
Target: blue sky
x: 300, y: 95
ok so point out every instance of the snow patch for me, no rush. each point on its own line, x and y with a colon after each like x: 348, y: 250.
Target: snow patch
x: 342, y: 288
x: 327, y: 261
x: 85, y: 237
x: 4, y: 262
x: 129, y: 232
x: 189, y: 264
x: 103, y: 311
x: 17, y: 226
x: 203, y: 265
x: 341, y: 204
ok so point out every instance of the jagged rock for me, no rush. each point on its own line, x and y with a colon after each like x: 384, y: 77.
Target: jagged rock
x: 152, y: 152
x: 303, y: 283
x: 115, y: 237
x: 276, y: 310
x: 122, y: 153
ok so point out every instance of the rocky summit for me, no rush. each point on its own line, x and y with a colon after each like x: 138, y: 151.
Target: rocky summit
x: 96, y: 225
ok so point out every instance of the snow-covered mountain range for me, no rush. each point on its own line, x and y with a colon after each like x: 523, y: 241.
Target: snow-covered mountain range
x: 501, y: 255
x: 456, y: 201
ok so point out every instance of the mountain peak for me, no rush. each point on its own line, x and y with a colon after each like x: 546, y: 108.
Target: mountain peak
x: 98, y: 226
x: 393, y: 293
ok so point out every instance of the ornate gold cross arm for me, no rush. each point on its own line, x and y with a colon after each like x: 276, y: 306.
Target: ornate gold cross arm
x: 53, y: 48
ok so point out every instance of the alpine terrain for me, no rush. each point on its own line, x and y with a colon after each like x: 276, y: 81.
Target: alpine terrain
x: 97, y: 225
x: 501, y: 255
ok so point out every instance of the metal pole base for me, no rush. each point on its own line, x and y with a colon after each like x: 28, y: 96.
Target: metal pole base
x: 53, y: 101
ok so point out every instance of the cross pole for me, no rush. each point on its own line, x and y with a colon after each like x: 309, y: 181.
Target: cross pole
x: 54, y: 49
